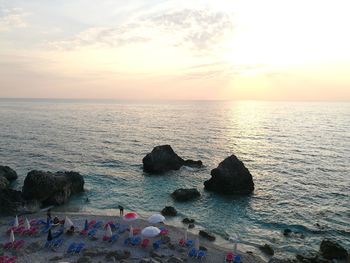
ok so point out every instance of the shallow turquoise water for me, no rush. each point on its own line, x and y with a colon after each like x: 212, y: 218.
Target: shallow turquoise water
x: 298, y: 154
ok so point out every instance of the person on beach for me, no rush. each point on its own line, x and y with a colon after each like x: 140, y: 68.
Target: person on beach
x: 121, y: 210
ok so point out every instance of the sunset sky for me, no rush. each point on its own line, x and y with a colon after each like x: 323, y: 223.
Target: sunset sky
x: 192, y: 49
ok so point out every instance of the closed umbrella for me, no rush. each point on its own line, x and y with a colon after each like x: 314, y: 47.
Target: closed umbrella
x: 86, y: 225
x: 196, y: 243
x: 16, y: 224
x: 156, y: 218
x: 131, y: 232
x: 49, y: 235
x: 150, y: 231
x: 68, y: 223
x: 109, y: 231
x: 185, y: 234
x: 12, y: 237
x: 27, y: 224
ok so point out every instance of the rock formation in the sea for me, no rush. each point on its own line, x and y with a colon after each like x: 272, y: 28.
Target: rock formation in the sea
x: 10, y: 201
x: 330, y: 249
x: 230, y: 177
x: 8, y: 173
x: 52, y: 188
x: 267, y: 249
x: 163, y: 159
x: 183, y: 195
x: 4, y: 183
x: 169, y: 211
x: 207, y: 235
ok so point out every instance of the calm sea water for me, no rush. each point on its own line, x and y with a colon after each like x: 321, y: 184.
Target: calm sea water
x: 298, y: 154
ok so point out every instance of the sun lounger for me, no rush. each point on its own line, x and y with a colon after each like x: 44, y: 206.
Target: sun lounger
x: 189, y: 243
x: 79, y: 248
x: 92, y: 233
x: 123, y: 229
x: 91, y: 223
x: 192, y: 253
x: 144, y: 243
x: 98, y: 224
x: 127, y: 241
x: 8, y: 245
x: 57, y: 243
x: 135, y: 241
x: 182, y: 242
x: 113, y: 238
x: 7, y: 259
x: 237, y: 259
x: 58, y: 233
x: 71, y: 248
x: 201, y: 254
x: 156, y: 244
x: 229, y: 257
x: 18, y: 244
x: 31, y: 231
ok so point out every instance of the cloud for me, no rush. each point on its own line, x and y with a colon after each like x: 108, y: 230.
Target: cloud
x: 198, y: 30
x: 12, y: 18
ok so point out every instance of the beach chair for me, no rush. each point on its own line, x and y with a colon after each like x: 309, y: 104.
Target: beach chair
x: 163, y: 231
x: 57, y: 243
x: 229, y: 257
x: 135, y: 241
x: 192, y: 253
x: 237, y: 259
x: 122, y: 229
x: 83, y: 232
x: 189, y: 243
x: 91, y: 223
x: 98, y: 224
x: 7, y: 259
x: 31, y: 231
x: 92, y: 233
x: 145, y: 243
x: 18, y: 244
x: 79, y: 248
x: 182, y: 242
x: 201, y: 254
x: 156, y: 244
x: 8, y: 245
x: 127, y: 241
x: 113, y: 238
x: 71, y: 248
x: 46, y: 228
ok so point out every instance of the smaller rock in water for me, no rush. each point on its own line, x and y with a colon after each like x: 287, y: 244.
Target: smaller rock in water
x: 287, y: 232
x: 190, y: 226
x: 330, y: 249
x: 267, y: 249
x: 8, y: 173
x: 183, y: 195
x: 187, y: 220
x: 203, y: 248
x: 169, y: 211
x: 207, y: 235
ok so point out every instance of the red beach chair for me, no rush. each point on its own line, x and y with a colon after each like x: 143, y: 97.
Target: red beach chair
x: 144, y: 243
x: 182, y: 242
x: 229, y: 257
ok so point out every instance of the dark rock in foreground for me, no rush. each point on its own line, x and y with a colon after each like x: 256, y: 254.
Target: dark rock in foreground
x: 10, y: 201
x: 187, y: 220
x: 207, y: 235
x: 185, y: 194
x: 267, y: 249
x: 52, y: 188
x: 330, y: 249
x: 8, y: 173
x: 230, y: 177
x: 163, y: 159
x: 169, y: 211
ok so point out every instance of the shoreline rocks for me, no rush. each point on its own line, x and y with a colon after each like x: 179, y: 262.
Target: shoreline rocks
x: 267, y: 249
x: 183, y: 195
x: 230, y: 177
x: 169, y: 211
x: 8, y: 173
x: 207, y: 235
x: 163, y: 159
x: 330, y: 249
x: 52, y: 188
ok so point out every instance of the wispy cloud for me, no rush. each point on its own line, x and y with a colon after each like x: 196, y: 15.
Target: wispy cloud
x: 12, y: 18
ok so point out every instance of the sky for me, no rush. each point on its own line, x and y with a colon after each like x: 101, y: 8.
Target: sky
x: 181, y: 50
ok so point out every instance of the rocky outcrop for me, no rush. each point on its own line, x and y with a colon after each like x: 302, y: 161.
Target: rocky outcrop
x: 183, y: 195
x: 267, y: 249
x: 4, y: 183
x: 10, y: 201
x: 207, y: 235
x: 169, y: 211
x: 330, y: 249
x: 230, y: 177
x: 52, y: 188
x: 8, y: 173
x: 187, y: 220
x: 163, y: 159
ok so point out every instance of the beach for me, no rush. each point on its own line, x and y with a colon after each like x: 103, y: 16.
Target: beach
x: 97, y: 250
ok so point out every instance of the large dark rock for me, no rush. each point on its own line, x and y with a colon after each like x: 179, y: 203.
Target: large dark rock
x: 230, y: 177
x: 330, y: 249
x: 169, y: 211
x: 267, y: 249
x: 185, y: 194
x: 52, y: 188
x: 207, y: 235
x: 8, y: 173
x: 10, y: 201
x: 163, y: 159
x: 4, y: 183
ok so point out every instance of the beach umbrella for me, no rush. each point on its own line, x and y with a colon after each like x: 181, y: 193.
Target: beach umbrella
x: 12, y: 237
x: 156, y: 218
x: 185, y: 234
x: 196, y: 243
x: 235, y: 240
x: 132, y: 216
x: 86, y: 225
x: 109, y: 231
x: 49, y: 235
x: 150, y: 231
x: 16, y: 224
x: 68, y: 223
x: 131, y: 232
x: 27, y: 224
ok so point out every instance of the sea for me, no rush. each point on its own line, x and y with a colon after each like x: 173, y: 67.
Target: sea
x: 297, y: 152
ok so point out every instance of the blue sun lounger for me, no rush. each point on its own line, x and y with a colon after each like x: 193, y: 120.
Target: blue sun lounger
x: 71, y: 248
x: 201, y: 254
x: 79, y: 248
x: 192, y: 253
x: 135, y: 241
x: 189, y: 243
x: 156, y: 244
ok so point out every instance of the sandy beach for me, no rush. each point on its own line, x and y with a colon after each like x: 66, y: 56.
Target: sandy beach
x: 97, y: 250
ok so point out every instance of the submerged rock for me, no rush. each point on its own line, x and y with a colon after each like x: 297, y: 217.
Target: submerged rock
x: 8, y: 173
x: 207, y: 235
x: 230, y: 177
x: 330, y: 249
x: 169, y: 211
x: 267, y: 249
x: 185, y: 194
x: 163, y: 159
x: 52, y: 188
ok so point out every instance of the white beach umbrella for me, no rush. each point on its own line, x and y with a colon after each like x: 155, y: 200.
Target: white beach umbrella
x: 16, y: 224
x: 67, y: 223
x: 235, y: 240
x: 27, y: 224
x: 185, y: 234
x: 131, y: 232
x: 156, y: 218
x: 12, y: 237
x: 196, y: 244
x: 109, y: 231
x: 150, y: 231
